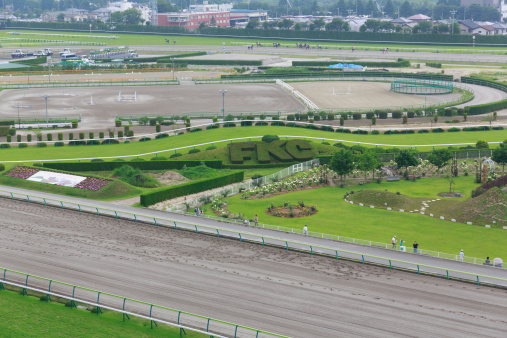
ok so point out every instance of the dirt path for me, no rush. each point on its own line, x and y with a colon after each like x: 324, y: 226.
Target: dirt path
x: 267, y: 288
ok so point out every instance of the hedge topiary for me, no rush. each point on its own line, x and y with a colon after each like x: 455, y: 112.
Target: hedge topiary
x: 49, y: 137
x: 144, y: 139
x: 2, y: 167
x: 175, y: 155
x: 110, y: 141
x: 59, y: 144
x: 159, y: 136
x: 356, y: 116
x: 396, y: 114
x: 382, y: 115
x: 240, y: 151
x: 158, y: 158
x: 270, y: 138
x: 101, y: 134
x: 193, y: 151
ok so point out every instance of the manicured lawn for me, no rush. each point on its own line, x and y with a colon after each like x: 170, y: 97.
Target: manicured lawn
x: 29, y: 317
x: 163, y: 146
x: 146, y: 39
x: 337, y: 217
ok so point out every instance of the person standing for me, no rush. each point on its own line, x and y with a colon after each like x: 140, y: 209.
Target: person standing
x: 393, y: 241
x: 305, y: 230
x: 461, y: 255
x: 416, y: 247
x: 256, y: 221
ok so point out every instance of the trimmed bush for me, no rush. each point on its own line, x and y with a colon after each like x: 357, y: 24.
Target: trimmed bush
x: 396, y: 114
x: 158, y: 128
x: 101, y: 134
x: 71, y: 136
x: 278, y: 123
x: 93, y: 143
x: 59, y: 144
x: 343, y: 130
x: 437, y: 130
x: 22, y: 145
x: 120, y: 133
x: 74, y: 124
x: 144, y: 139
x: 188, y: 188
x: 453, y: 130
x: 9, y: 138
x: 159, y: 136
x: 369, y: 115
x: 175, y: 155
x: 194, y: 151
x: 12, y: 131
x: 2, y: 167
x: 382, y: 115
x: 18, y: 138
x: 111, y: 165
x: 49, y: 137
x: 110, y: 141
x: 241, y: 151
x: 356, y: 116
x: 91, y: 135
x: 229, y: 125
x: 81, y: 136
x: 29, y: 138
x: 60, y: 136
x: 5, y: 146
x: 270, y: 138
x: 300, y: 150
x: 158, y: 158
x: 411, y: 114
x: 42, y: 144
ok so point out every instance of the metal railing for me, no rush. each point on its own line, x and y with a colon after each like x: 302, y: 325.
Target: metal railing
x: 89, y: 83
x: 270, y: 240
x: 238, y: 187
x: 306, y: 101
x: 129, y: 307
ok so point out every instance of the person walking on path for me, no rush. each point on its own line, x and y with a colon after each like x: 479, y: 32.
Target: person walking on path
x: 305, y: 230
x: 256, y: 221
x: 415, y: 247
x: 461, y: 255
x: 393, y: 241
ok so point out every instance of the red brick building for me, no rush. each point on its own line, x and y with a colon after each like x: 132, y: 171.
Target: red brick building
x: 192, y: 20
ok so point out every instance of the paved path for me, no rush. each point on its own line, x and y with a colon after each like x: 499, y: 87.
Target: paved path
x: 279, y: 237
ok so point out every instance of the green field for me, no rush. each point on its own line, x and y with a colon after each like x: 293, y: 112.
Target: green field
x: 148, y: 39
x: 29, y: 317
x: 167, y: 146
x: 337, y: 217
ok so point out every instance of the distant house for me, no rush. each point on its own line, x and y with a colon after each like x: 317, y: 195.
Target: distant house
x: 418, y: 18
x: 470, y: 27
x: 489, y: 29
x: 355, y: 24
x: 401, y: 21
x: 500, y: 28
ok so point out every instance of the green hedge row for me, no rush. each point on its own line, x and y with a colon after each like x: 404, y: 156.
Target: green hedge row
x: 188, y: 188
x: 143, y: 165
x: 4, y: 131
x: 487, y: 107
x: 7, y: 123
x: 241, y: 151
x: 36, y: 61
x: 24, y: 69
x: 259, y: 166
x: 398, y: 64
x: 225, y: 62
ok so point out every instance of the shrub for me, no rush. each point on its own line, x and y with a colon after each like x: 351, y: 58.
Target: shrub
x: 5, y: 146
x: 453, y: 130
x: 396, y: 114
x: 71, y: 136
x: 411, y: 114
x: 18, y: 138
x: 144, y: 139
x: 91, y: 135
x: 373, y: 120
x: 49, y: 137
x: 117, y: 123
x: 111, y: 134
x: 437, y: 130
x: 405, y: 119
x: 342, y: 121
x: 161, y: 136
x: 193, y: 151
x: 81, y: 136
x: 97, y: 160
x: 130, y: 133
x: 9, y: 138
x: 92, y: 143
x: 270, y: 138
x: 110, y: 141
x: 59, y: 144
x: 12, y: 131
x: 74, y: 124
x: 101, y: 134
x: 382, y: 115
x: 316, y: 118
x: 175, y: 155
x: 330, y: 116
x: 29, y: 138
x: 135, y: 177
x: 153, y: 122
x: 42, y: 144
x: 345, y: 116
x: 356, y: 116
x: 120, y: 133
x: 22, y: 145
x: 482, y: 145
x: 158, y: 128
x: 2, y: 167
x: 60, y: 136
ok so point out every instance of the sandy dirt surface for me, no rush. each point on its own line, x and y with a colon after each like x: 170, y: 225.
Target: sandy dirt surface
x: 362, y: 94
x: 156, y: 100
x: 285, y: 292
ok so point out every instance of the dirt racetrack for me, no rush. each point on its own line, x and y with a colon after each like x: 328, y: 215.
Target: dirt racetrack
x: 362, y: 94
x: 153, y: 100
x: 267, y: 288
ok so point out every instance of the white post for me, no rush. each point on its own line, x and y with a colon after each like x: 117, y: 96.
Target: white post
x: 119, y: 96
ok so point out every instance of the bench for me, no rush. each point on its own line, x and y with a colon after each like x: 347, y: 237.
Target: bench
x: 393, y: 178
x: 488, y: 264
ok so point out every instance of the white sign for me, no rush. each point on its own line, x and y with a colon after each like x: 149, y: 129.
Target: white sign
x: 50, y: 177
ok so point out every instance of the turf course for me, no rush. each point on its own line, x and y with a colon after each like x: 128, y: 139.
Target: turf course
x: 148, y: 39
x: 163, y: 146
x: 29, y: 317
x: 337, y: 217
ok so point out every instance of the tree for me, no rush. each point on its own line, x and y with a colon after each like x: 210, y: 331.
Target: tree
x: 482, y: 145
x: 440, y: 157
x: 423, y: 27
x: 213, y: 21
x: 60, y: 17
x: 165, y: 6
x: 368, y: 161
x: 298, y: 26
x: 144, y: 120
x: 315, y: 7
x: 285, y: 24
x: 252, y: 24
x: 389, y: 9
x: 129, y: 17
x: 489, y: 13
x: 406, y: 9
x: 342, y: 162
x: 500, y: 156
x: 371, y: 9
x: 475, y: 11
x: 405, y: 159
x: 338, y: 25
x: 319, y: 23
x: 265, y: 25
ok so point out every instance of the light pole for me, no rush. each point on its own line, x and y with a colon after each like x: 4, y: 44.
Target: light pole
x: 172, y: 59
x: 49, y: 68
x: 46, y: 96
x: 453, y: 12
x: 223, y: 102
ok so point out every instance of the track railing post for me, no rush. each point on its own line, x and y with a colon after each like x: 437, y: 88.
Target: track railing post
x: 155, y: 220
x: 196, y: 231
x: 263, y: 243
x: 287, y: 244
x: 27, y: 198
x: 79, y: 207
x: 12, y: 196
x: 45, y: 204
x: 124, y: 314
x: 98, y: 214
x: 363, y: 258
x: 478, y: 283
x: 311, y: 250
x: 98, y: 303
x: 151, y: 320
x: 48, y: 296
x: 116, y: 214
x: 336, y: 254
x: 60, y: 203
x: 239, y: 237
x: 175, y: 226
x: 218, y: 234
x: 72, y: 303
x: 25, y: 293
x: 418, y: 270
x: 447, y: 274
x: 390, y: 265
x: 135, y: 218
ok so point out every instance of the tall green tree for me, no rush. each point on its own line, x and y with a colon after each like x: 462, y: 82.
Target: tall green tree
x: 342, y: 162
x: 368, y: 161
x: 500, y: 156
x: 406, y: 158
x: 389, y: 9
x: 406, y: 9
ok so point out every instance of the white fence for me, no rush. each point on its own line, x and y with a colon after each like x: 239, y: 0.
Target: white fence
x: 245, y: 185
x: 298, y: 95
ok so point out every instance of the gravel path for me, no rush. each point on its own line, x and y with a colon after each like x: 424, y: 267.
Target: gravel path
x: 267, y: 288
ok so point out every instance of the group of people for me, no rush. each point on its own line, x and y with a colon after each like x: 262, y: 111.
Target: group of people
x: 198, y: 212
x: 255, y: 219
x: 415, y: 245
x: 303, y: 45
x: 167, y: 40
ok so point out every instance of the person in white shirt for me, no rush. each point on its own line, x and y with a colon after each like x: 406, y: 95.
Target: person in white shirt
x: 393, y: 241
x: 461, y: 255
x: 305, y: 230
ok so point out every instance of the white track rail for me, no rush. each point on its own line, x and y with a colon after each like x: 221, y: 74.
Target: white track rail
x: 306, y: 101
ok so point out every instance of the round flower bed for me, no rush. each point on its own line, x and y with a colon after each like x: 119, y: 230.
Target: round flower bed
x: 288, y: 210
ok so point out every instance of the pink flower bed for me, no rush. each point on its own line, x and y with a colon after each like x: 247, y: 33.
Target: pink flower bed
x: 22, y: 172
x: 92, y: 183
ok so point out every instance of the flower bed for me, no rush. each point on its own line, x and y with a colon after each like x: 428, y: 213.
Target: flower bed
x: 288, y: 210
x: 22, y: 172
x: 57, y: 178
x: 92, y: 183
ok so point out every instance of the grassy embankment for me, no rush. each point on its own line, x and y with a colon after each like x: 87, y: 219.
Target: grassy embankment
x: 29, y: 317
x: 168, y: 146
x: 337, y: 217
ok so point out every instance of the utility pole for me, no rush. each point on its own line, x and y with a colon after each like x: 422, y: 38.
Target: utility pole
x: 46, y: 96
x: 453, y: 12
x: 172, y: 59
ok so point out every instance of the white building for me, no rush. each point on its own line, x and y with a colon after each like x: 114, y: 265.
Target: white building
x: 206, y: 7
